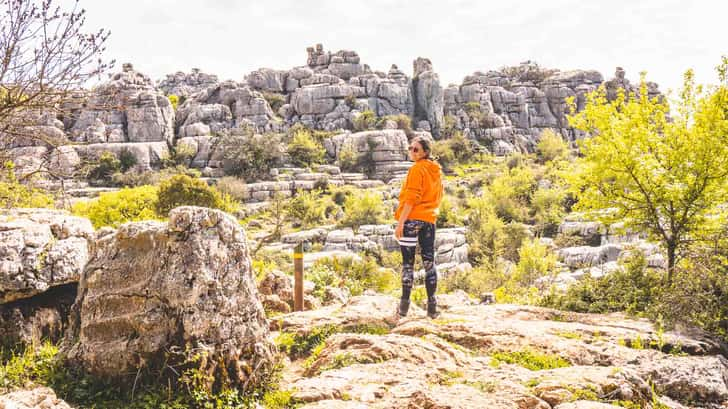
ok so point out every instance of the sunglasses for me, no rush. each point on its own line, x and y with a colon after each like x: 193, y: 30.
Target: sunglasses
x: 414, y: 149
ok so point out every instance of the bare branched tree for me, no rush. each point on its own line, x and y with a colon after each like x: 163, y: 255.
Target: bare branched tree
x: 45, y: 60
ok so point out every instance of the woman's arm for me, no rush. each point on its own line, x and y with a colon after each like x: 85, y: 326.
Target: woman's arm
x: 406, y: 210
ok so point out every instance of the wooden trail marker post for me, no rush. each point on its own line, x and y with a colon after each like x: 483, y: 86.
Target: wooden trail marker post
x: 298, y: 277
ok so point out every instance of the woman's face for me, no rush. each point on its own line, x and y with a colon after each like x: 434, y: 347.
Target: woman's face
x: 416, y: 152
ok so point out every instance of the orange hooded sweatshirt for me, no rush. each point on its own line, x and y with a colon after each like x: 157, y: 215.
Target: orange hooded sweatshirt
x: 423, y: 190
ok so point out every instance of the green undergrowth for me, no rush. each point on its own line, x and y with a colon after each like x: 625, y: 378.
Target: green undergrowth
x: 529, y: 359
x: 41, y: 365
x: 298, y: 345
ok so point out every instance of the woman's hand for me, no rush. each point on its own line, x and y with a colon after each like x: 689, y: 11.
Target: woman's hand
x: 399, y: 231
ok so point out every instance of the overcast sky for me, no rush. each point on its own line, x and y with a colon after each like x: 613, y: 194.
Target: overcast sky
x: 231, y: 38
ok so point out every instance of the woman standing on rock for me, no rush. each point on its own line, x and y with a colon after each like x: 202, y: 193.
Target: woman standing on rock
x: 418, y: 202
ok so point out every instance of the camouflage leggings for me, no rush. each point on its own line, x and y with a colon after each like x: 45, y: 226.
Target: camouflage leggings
x: 418, y: 231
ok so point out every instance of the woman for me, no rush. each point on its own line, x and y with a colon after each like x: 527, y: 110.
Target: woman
x: 418, y: 202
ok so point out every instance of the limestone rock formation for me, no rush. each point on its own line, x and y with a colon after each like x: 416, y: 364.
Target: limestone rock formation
x: 506, y: 110
x: 428, y: 95
x: 385, y: 150
x: 185, y: 85
x: 153, y: 287
x: 40, y: 249
x: 126, y: 109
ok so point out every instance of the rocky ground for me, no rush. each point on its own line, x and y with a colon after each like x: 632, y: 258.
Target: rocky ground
x: 460, y: 360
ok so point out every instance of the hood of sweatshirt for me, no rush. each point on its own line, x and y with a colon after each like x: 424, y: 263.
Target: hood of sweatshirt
x: 431, y: 167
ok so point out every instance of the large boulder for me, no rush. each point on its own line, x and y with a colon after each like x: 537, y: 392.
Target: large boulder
x: 151, y: 288
x: 40, y: 249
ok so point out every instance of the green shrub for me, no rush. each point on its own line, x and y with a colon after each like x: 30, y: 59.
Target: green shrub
x: 472, y: 107
x: 633, y: 289
x: 116, y: 208
x: 265, y: 261
x: 535, y: 261
x: 181, y: 154
x: 233, y: 187
x: 298, y: 345
x: 304, y: 150
x: 574, y: 239
x: 463, y: 148
x: 699, y: 294
x: 403, y: 121
x: 106, y: 165
x: 443, y: 153
x: 276, y: 101
x: 449, y: 127
x: 485, y: 277
x: 453, y: 151
x: 251, y: 156
x: 548, y: 208
x: 365, y: 121
x: 551, y: 146
x: 511, y: 193
x: 348, y: 159
x: 187, y: 388
x: 514, y: 235
x: 127, y: 160
x: 308, y: 208
x: 364, y: 208
x: 322, y: 276
x: 174, y: 100
x: 485, y: 234
x: 358, y: 276
x: 132, y: 178
x: 448, y: 215
x: 15, y: 194
x: 182, y: 190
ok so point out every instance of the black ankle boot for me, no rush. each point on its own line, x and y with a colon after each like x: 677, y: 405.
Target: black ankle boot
x: 432, y: 310
x: 403, y: 307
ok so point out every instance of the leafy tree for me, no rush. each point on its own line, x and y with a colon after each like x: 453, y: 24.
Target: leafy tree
x: 659, y: 170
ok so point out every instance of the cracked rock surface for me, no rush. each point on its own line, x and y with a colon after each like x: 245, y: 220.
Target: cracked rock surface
x: 452, y: 361
x: 151, y: 288
x: 40, y: 249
